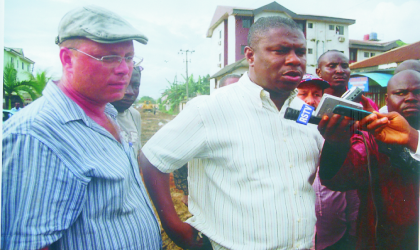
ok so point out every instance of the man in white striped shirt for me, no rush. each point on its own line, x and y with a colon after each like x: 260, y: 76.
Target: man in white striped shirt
x: 250, y: 189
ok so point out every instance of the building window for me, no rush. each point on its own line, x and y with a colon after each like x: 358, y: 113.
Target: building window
x: 331, y: 27
x: 372, y: 54
x: 22, y: 66
x: 11, y: 60
x: 309, y: 51
x: 220, y: 57
x: 246, y: 23
x: 310, y: 25
x: 220, y: 34
x: 366, y: 54
x: 301, y: 26
x: 28, y: 67
x: 352, y: 56
x: 339, y: 30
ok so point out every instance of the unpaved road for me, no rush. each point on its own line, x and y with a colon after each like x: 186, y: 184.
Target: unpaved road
x: 149, y: 126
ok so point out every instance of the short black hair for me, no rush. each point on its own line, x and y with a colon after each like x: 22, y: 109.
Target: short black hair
x: 264, y: 24
x: 323, y: 54
x: 223, y: 80
x: 137, y: 69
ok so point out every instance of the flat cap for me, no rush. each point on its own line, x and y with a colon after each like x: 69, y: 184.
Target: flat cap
x: 97, y: 24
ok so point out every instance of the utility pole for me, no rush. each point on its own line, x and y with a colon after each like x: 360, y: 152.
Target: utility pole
x: 186, y: 65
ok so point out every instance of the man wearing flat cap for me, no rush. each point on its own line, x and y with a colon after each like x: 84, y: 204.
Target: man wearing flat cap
x: 69, y: 179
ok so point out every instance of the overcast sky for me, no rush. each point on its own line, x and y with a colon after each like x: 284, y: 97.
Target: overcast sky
x: 182, y: 24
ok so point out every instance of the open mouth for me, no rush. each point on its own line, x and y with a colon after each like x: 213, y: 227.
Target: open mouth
x: 293, y: 75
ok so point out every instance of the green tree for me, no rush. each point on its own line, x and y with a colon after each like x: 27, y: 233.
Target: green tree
x: 176, y: 92
x: 41, y: 79
x: 147, y: 98
x: 33, y: 86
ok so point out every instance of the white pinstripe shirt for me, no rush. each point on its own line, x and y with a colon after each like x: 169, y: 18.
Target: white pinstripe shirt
x: 251, y: 189
x: 65, y: 179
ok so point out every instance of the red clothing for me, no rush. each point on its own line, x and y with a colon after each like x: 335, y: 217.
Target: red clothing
x: 396, y: 195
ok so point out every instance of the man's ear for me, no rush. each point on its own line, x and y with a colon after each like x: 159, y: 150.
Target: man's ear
x: 249, y: 55
x: 318, y: 71
x: 66, y: 57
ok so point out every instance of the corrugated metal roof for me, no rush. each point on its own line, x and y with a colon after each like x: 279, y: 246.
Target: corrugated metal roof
x: 242, y: 12
x: 397, y: 55
x: 19, y: 53
x: 373, y: 45
x: 231, y: 67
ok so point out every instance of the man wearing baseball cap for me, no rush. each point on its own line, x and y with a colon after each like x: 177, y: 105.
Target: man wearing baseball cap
x: 336, y: 212
x: 311, y: 89
x: 69, y: 180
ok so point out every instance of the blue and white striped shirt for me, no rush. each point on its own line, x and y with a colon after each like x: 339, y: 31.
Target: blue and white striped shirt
x: 65, y: 179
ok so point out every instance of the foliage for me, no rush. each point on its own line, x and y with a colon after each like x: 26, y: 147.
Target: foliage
x: 33, y: 86
x: 176, y: 92
x: 147, y: 98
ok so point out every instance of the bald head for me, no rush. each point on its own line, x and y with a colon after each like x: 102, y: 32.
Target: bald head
x: 403, y: 95
x: 408, y: 64
x: 228, y: 80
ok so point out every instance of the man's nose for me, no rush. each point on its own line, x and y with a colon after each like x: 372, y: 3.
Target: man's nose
x: 310, y: 100
x: 293, y: 59
x: 123, y: 67
x: 339, y: 69
x: 411, y: 97
x: 129, y: 90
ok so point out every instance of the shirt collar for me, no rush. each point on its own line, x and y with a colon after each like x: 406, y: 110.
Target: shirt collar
x: 259, y: 95
x: 67, y: 109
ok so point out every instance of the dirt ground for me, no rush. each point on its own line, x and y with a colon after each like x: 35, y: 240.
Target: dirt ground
x: 150, y: 124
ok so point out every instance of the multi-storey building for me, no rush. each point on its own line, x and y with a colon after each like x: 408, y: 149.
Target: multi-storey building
x: 370, y: 47
x: 21, y: 63
x: 24, y: 67
x: 230, y: 25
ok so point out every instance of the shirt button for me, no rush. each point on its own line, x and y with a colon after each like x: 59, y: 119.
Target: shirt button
x: 291, y: 166
x: 295, y: 193
x: 298, y: 220
x: 284, y: 139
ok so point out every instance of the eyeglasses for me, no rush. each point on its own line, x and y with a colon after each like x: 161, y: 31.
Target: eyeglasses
x: 113, y: 60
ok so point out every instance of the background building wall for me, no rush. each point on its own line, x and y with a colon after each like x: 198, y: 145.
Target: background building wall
x: 232, y: 39
x: 241, y: 34
x: 217, y: 57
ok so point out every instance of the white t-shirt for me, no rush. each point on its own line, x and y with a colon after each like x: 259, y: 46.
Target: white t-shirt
x: 130, y: 124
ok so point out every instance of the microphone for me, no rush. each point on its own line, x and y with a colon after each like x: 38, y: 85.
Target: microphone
x: 293, y: 114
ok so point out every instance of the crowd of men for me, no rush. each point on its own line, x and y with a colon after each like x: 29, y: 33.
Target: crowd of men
x: 71, y: 179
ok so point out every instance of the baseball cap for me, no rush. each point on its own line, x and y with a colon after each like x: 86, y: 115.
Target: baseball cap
x: 309, y: 78
x: 97, y: 24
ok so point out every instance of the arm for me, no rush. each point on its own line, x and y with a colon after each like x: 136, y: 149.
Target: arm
x: 337, y: 143
x: 343, y: 158
x: 329, y: 166
x: 40, y: 197
x: 157, y: 184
